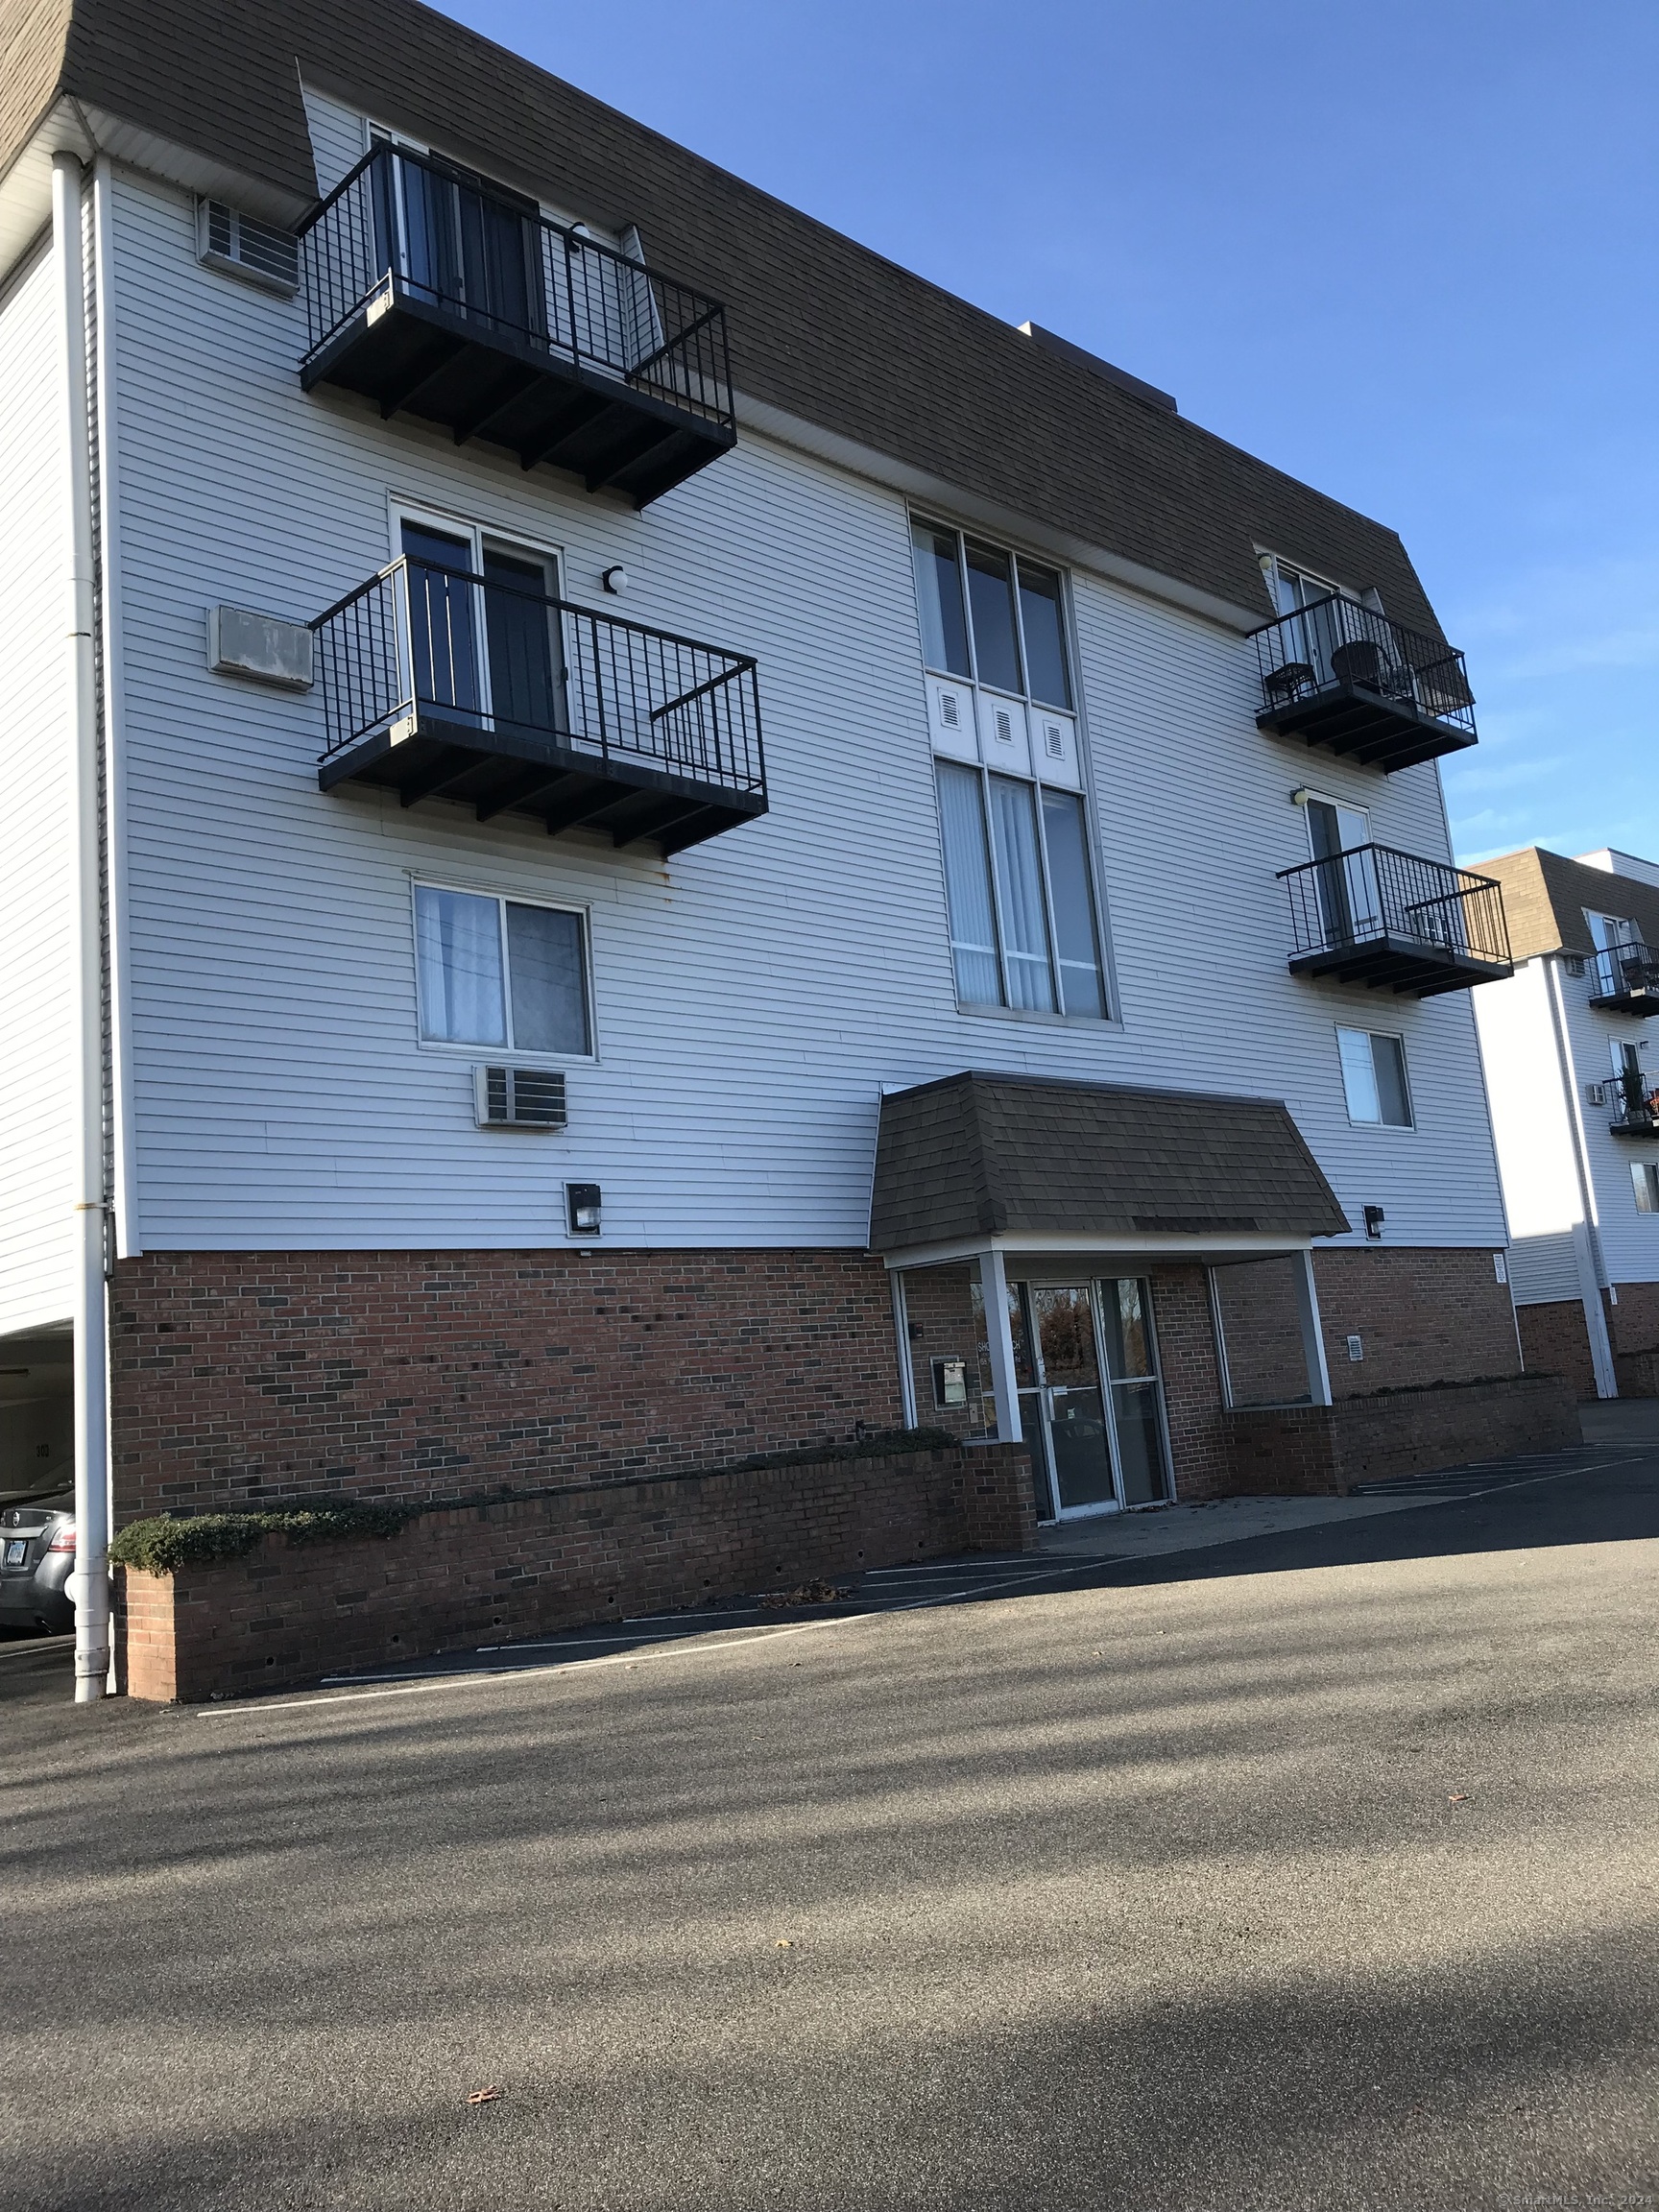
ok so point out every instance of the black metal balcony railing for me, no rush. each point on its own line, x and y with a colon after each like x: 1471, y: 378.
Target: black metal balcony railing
x: 1626, y: 979
x: 1636, y: 1111
x: 1341, y: 674
x: 443, y: 684
x: 1394, y: 920
x: 431, y: 290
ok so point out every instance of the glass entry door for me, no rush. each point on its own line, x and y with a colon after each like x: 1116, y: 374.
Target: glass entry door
x: 1091, y: 1399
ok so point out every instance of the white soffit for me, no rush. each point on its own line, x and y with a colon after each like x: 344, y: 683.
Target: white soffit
x: 26, y: 189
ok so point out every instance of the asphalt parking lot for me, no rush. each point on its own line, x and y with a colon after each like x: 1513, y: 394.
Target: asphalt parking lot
x: 1308, y: 1868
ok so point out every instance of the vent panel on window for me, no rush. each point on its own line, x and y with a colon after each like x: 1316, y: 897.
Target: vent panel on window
x: 519, y: 1097
x: 228, y: 239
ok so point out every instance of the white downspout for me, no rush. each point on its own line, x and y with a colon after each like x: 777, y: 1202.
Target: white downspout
x: 90, y: 1583
x: 1586, y: 1238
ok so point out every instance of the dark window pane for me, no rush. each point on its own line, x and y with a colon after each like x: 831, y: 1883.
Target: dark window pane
x: 1388, y: 1055
x: 526, y: 690
x: 967, y: 887
x: 545, y: 977
x: 991, y: 596
x: 1128, y: 1347
x: 443, y: 619
x: 1140, y: 1442
x: 1081, y: 985
x: 1045, y: 636
x: 939, y: 596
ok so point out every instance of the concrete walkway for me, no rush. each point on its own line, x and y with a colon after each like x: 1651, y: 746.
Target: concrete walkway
x: 1154, y: 1530
x: 1620, y: 1421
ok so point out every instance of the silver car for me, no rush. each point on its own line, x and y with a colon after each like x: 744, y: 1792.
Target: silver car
x: 37, y: 1557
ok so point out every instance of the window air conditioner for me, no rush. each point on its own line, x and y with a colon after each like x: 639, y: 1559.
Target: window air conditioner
x: 518, y: 1097
x: 228, y: 239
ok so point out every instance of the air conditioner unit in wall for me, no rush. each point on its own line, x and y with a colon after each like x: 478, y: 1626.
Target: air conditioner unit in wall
x: 519, y: 1097
x: 228, y: 239
x: 1596, y: 1093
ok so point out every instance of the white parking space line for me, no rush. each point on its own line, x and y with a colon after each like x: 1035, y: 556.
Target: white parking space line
x: 650, y: 1652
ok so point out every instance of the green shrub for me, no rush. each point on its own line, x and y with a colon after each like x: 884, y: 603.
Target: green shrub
x: 159, y: 1547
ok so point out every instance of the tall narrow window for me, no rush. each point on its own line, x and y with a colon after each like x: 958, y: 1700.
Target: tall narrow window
x: 1374, y: 1077
x: 1020, y: 902
x: 1077, y: 939
x: 939, y: 594
x: 991, y: 596
x: 1045, y: 636
x: 1026, y: 919
x: 967, y: 887
x: 1645, y: 1176
x: 500, y: 972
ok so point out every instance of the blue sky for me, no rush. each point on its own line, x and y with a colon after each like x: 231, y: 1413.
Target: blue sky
x: 1406, y: 251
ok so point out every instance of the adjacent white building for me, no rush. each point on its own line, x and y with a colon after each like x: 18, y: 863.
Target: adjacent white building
x: 1572, y: 1050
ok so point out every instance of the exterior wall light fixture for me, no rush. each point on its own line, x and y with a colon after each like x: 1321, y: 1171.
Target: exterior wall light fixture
x: 1374, y: 1223
x: 582, y: 1202
x: 615, y: 578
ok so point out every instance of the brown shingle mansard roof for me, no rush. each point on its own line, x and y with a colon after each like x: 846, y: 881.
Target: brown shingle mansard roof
x: 821, y: 328
x: 976, y: 1155
x: 1544, y: 897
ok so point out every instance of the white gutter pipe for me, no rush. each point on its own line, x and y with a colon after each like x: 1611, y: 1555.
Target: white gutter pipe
x: 89, y: 1584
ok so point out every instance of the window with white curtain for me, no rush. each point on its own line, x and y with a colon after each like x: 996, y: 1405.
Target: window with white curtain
x: 1018, y: 877
x: 502, y: 972
x: 1374, y: 1077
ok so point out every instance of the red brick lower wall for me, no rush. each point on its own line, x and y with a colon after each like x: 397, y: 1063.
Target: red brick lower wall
x: 1422, y: 1315
x: 1556, y: 1342
x: 1294, y: 1450
x: 289, y: 1613
x: 1633, y: 1324
x: 242, y: 1379
x: 1197, y: 1418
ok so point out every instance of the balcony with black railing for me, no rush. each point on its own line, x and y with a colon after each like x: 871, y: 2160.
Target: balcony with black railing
x: 1341, y: 674
x: 433, y: 292
x: 442, y: 685
x: 1636, y: 1107
x: 1624, y: 979
x: 1394, y: 921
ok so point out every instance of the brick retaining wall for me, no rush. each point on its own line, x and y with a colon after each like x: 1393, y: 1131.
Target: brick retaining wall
x: 1297, y: 1450
x: 452, y: 1579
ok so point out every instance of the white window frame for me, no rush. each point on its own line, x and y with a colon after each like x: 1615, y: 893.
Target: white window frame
x: 1407, y: 1128
x: 1646, y: 1171
x: 1274, y: 565
x: 509, y: 1053
x: 1309, y: 797
x: 479, y: 535
x: 1081, y: 790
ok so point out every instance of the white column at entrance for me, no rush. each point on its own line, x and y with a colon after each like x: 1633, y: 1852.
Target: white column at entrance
x: 1000, y: 1337
x: 1313, y: 1335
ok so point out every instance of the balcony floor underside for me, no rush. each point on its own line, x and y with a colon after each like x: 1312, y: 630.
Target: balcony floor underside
x: 1402, y: 965
x: 1365, y: 726
x: 566, y: 786
x: 411, y: 356
x: 1638, y: 1004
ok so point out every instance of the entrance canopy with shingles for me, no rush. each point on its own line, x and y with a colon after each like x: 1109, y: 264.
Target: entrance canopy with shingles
x: 980, y: 1155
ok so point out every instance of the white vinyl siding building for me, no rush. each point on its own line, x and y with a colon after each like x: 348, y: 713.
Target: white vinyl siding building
x: 750, y: 999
